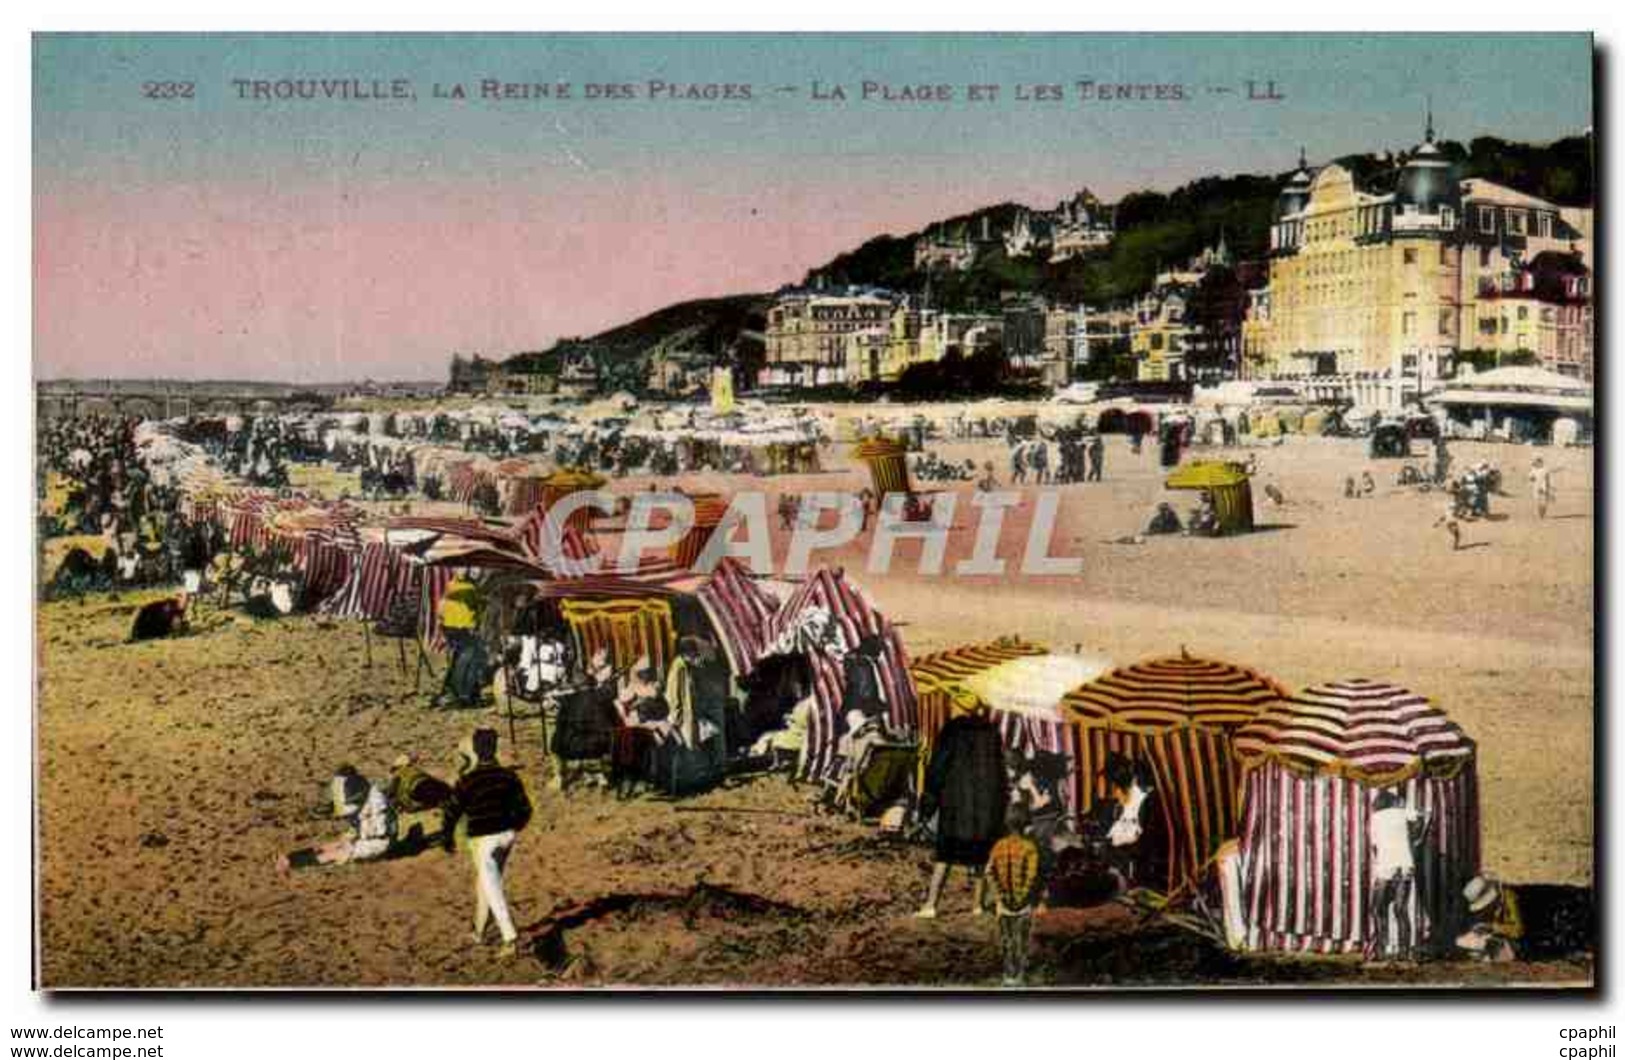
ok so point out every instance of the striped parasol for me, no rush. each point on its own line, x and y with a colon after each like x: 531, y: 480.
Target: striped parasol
x: 945, y: 672
x: 1175, y: 692
x: 1368, y: 730
x: 1021, y: 684
x: 1178, y: 714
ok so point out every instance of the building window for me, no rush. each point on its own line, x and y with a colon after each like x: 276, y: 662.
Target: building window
x: 1445, y: 322
x: 1156, y: 341
x: 1515, y: 222
x: 1486, y: 219
x: 1410, y: 255
x: 1484, y: 256
x: 1486, y: 326
x: 1407, y: 324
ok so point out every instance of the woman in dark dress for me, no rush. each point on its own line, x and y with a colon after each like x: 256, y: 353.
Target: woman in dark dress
x: 967, y: 789
x: 643, y: 710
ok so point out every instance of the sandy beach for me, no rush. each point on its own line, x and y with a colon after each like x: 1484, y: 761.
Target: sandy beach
x: 171, y: 773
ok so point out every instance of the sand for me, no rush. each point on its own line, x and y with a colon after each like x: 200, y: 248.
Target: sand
x: 171, y: 774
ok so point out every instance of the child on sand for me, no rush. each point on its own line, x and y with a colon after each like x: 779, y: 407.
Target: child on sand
x: 1012, y: 867
x: 371, y: 819
x: 1451, y: 523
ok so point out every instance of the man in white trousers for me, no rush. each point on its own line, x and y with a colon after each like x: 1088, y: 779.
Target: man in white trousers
x: 487, y: 811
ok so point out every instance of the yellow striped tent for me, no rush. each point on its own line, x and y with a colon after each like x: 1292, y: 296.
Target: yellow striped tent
x: 1178, y: 714
x: 1228, y: 483
x: 561, y: 484
x: 1021, y: 685
x: 630, y: 627
x: 939, y: 683
x: 887, y: 460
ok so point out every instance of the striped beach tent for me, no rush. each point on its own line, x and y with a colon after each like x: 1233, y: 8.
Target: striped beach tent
x: 1020, y: 684
x: 1313, y: 765
x: 569, y: 551
x: 739, y: 610
x: 1179, y: 715
x: 826, y: 612
x: 380, y: 575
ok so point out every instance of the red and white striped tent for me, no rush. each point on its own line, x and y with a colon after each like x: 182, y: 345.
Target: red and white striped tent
x: 828, y: 612
x: 1313, y: 767
x: 638, y: 613
x: 321, y: 540
x: 419, y: 556
x: 1179, y: 715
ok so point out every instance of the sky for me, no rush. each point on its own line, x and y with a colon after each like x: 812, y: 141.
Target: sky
x: 218, y: 235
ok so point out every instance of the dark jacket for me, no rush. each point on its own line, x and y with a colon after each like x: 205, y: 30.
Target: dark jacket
x: 966, y: 784
x: 487, y: 799
x: 860, y: 685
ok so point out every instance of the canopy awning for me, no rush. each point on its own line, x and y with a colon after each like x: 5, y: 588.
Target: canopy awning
x: 1365, y: 729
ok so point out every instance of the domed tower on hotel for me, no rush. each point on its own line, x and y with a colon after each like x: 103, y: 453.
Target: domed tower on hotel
x: 1295, y: 192
x: 1362, y: 301
x: 1427, y: 190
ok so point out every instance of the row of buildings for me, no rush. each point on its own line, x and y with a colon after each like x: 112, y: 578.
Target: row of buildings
x: 573, y: 373
x: 818, y: 337
x: 1365, y: 297
x: 1076, y: 226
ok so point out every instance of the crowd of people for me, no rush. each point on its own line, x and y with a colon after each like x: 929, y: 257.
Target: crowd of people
x: 1071, y: 456
x: 143, y: 534
x: 677, y: 727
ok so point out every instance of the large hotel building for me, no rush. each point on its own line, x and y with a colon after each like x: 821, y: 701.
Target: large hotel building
x: 1372, y: 296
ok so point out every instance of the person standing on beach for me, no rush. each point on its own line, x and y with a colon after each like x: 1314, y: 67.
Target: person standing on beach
x: 967, y: 790
x: 1013, y: 868
x: 1450, y: 519
x: 487, y: 811
x: 460, y: 620
x: 1540, y: 484
x: 1395, y: 834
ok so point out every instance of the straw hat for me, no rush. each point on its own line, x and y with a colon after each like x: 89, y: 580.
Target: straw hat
x: 1481, y: 892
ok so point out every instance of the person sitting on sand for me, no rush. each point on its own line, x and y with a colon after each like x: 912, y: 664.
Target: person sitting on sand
x: 1164, y: 521
x: 371, y: 818
x: 863, y: 733
x: 643, y: 711
x: 787, y: 747
x: 1204, y: 520
x: 161, y: 618
x: 414, y: 793
x: 1495, y: 926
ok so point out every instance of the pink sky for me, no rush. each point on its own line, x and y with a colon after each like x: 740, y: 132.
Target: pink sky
x: 329, y: 282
